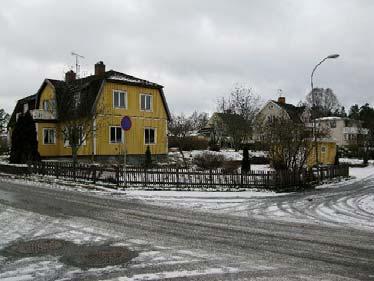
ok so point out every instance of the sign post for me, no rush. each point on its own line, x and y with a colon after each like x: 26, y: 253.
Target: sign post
x: 126, y: 126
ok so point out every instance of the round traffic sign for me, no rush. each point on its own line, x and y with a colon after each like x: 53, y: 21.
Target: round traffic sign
x: 126, y: 123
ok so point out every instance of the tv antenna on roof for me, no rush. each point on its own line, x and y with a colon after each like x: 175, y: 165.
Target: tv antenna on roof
x: 280, y: 93
x: 77, y: 66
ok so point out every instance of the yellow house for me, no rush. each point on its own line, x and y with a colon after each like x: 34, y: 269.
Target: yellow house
x: 106, y: 96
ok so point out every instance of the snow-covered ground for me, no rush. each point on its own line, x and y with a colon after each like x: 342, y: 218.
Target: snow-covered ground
x: 357, y: 212
x: 22, y: 225
x: 228, y: 154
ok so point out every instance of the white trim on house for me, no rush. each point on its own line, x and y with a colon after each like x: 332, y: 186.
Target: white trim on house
x: 122, y: 135
x: 155, y: 135
x: 54, y: 135
x: 94, y: 136
x: 125, y: 100
x: 145, y: 102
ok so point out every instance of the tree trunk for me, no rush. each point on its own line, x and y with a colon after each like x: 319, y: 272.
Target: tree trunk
x: 74, y: 152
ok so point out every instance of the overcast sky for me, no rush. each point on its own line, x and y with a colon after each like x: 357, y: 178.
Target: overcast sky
x: 197, y: 49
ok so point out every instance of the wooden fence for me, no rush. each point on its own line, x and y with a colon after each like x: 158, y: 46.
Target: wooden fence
x: 185, y: 178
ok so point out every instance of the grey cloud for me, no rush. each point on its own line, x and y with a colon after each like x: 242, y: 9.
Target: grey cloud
x: 197, y: 49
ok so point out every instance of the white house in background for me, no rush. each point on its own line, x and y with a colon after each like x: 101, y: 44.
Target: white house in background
x: 280, y: 109
x: 343, y: 130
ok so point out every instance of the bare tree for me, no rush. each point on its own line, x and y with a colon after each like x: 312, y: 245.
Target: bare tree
x: 199, y: 120
x: 180, y: 126
x: 243, y: 103
x: 4, y: 119
x: 289, y: 143
x: 323, y: 102
x: 77, y: 118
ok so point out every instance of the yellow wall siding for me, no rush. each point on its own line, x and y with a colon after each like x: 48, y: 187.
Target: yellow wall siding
x: 105, y: 103
x: 109, y: 116
x: 326, y: 158
x: 47, y: 94
x: 47, y: 149
x: 134, y: 138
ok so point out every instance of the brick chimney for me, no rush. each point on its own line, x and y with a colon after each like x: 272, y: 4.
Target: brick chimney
x: 282, y: 100
x: 70, y: 76
x: 99, y: 68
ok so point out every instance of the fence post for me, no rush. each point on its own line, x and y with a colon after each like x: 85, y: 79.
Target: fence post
x: 56, y: 170
x: 241, y: 178
x: 177, y: 176
x: 117, y: 174
x: 94, y: 174
x: 210, y: 178
x: 145, y: 176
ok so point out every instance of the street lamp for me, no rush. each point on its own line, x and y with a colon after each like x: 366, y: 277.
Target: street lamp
x: 333, y: 56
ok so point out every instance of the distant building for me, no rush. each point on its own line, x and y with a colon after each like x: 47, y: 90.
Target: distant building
x: 326, y: 148
x: 343, y: 130
x: 280, y: 109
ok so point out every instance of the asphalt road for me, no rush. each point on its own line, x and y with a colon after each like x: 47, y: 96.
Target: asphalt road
x: 245, y: 248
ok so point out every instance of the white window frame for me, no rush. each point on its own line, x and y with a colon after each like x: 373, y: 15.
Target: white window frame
x: 46, y: 105
x: 54, y: 134
x: 76, y: 99
x: 25, y: 107
x: 122, y: 135
x: 323, y: 149
x: 67, y: 142
x: 124, y: 98
x: 145, y: 102
x: 155, y: 135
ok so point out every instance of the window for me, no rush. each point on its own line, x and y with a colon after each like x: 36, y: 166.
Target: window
x: 146, y: 102
x: 49, y: 136
x: 333, y: 124
x: 323, y: 149
x: 25, y: 107
x: 115, y: 135
x: 119, y: 99
x: 46, y: 105
x: 76, y: 99
x: 69, y: 134
x: 149, y: 136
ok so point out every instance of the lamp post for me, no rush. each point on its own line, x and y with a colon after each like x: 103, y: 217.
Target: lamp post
x: 333, y: 56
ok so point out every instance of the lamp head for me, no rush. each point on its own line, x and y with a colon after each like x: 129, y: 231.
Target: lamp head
x: 333, y: 56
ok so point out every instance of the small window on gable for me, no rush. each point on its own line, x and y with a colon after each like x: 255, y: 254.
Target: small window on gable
x: 49, y: 136
x: 46, y: 105
x: 145, y: 102
x: 323, y: 149
x: 119, y: 99
x: 76, y: 99
x: 25, y: 107
x: 149, y: 136
x: 115, y: 135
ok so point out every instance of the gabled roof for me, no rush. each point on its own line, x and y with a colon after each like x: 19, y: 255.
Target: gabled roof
x: 91, y: 85
x: 294, y: 112
x: 19, y: 107
x: 227, y: 118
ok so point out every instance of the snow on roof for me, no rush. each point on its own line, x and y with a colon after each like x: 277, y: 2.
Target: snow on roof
x: 125, y: 78
x: 331, y: 118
